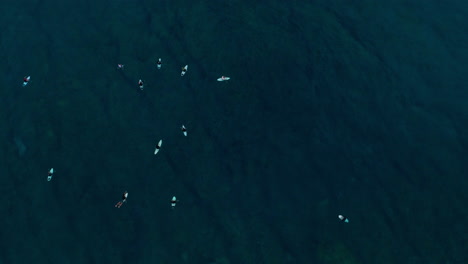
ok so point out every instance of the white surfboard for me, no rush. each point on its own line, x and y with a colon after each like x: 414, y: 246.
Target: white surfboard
x: 184, y: 130
x: 223, y: 78
x: 156, y: 150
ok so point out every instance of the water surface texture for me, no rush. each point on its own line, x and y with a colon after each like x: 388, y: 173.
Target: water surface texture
x: 334, y: 107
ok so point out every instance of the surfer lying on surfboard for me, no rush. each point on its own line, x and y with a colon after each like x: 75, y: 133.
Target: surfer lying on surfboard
x: 184, y: 70
x: 124, y: 199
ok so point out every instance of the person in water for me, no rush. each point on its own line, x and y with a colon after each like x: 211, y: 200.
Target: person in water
x: 124, y: 199
x: 140, y: 84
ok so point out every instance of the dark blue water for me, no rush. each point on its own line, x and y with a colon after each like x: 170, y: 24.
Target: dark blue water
x: 333, y: 107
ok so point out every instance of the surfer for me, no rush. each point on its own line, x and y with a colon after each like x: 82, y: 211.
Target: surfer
x: 50, y: 174
x: 184, y: 70
x: 159, y: 63
x: 173, y: 202
x: 158, y: 146
x: 343, y: 218
x: 140, y: 84
x: 184, y: 130
x: 26, y: 80
x: 124, y: 199
x: 223, y: 78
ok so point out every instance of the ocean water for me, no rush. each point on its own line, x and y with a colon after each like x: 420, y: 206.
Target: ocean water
x: 334, y: 107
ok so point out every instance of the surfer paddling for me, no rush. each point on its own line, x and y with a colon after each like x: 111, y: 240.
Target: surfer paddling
x: 184, y: 130
x: 124, y: 199
x: 343, y: 218
x: 50, y: 174
x: 140, y: 84
x: 158, y: 146
x: 159, y: 63
x: 184, y: 70
x: 173, y: 202
x: 26, y: 80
